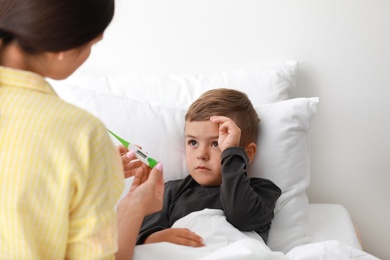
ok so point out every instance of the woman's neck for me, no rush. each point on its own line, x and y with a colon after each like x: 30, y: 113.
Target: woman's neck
x: 12, y: 56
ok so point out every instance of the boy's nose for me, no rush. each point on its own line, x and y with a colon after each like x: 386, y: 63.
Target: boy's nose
x: 202, y: 157
x: 202, y: 154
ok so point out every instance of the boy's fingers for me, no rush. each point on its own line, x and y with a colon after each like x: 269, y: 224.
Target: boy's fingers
x: 219, y: 119
x: 190, y: 238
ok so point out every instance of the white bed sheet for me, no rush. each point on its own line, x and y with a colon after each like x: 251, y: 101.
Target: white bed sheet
x: 223, y: 241
x: 331, y: 222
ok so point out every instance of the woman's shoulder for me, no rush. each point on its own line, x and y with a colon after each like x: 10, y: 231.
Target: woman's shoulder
x: 68, y: 123
x: 70, y: 115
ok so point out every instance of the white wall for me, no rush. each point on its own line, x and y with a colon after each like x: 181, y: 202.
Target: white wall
x: 342, y: 47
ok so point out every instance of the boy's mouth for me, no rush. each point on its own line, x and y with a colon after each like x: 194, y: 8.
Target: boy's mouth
x: 202, y: 168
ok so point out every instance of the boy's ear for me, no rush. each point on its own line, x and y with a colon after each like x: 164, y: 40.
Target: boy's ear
x: 250, y: 150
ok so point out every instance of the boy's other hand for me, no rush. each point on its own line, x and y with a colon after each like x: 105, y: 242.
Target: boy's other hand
x: 229, y: 132
x: 180, y: 236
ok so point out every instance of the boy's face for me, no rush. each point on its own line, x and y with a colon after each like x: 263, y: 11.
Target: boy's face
x: 203, y: 155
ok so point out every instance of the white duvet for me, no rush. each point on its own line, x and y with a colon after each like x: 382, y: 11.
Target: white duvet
x: 223, y: 241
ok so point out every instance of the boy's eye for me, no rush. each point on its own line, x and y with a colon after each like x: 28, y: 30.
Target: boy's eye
x: 214, y: 144
x: 192, y: 142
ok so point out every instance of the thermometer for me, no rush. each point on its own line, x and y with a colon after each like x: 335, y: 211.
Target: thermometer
x: 142, y: 156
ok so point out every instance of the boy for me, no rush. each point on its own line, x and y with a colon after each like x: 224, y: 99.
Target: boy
x: 220, y: 133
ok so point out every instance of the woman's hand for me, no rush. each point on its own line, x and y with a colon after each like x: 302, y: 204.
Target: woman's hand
x: 147, y: 190
x: 131, y: 165
x: 180, y: 236
x: 145, y: 197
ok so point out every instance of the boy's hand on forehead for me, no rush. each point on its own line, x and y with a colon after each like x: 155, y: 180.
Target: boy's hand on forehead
x: 229, y: 132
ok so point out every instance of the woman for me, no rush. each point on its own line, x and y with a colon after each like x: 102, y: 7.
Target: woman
x: 60, y: 175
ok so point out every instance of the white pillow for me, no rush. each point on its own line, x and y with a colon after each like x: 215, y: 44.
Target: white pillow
x: 284, y: 157
x: 263, y: 85
x: 154, y: 118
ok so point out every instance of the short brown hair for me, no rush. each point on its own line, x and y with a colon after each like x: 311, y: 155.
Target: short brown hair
x: 230, y: 103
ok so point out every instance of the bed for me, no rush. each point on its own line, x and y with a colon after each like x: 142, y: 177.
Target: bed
x: 149, y: 110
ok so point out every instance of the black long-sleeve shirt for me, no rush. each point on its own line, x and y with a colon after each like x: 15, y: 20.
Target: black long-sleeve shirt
x: 248, y: 203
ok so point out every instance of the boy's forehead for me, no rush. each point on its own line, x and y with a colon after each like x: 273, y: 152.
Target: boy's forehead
x: 201, y: 128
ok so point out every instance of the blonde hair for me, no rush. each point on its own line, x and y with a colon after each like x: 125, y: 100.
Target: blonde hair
x: 230, y: 103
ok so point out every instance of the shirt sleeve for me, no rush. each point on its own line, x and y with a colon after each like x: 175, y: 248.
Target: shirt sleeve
x: 248, y: 203
x: 96, y: 183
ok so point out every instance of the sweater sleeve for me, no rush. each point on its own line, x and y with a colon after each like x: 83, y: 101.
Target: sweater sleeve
x: 248, y: 203
x: 157, y: 221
